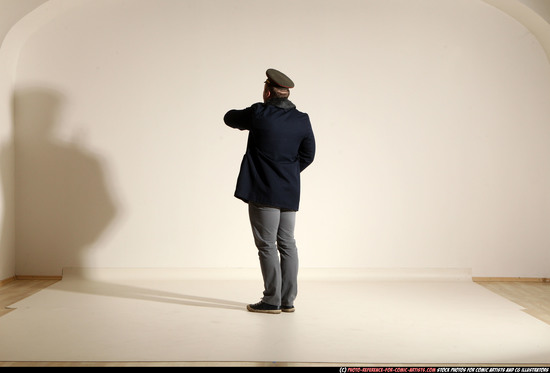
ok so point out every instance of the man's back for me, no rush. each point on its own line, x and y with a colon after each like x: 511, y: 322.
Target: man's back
x: 280, y: 145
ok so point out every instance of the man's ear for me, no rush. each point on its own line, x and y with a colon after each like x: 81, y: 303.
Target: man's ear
x: 266, y: 94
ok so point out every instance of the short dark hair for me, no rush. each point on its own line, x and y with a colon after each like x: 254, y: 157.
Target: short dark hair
x: 278, y: 92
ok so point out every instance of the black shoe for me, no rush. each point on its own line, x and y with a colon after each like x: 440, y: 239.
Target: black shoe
x: 287, y: 308
x: 263, y: 307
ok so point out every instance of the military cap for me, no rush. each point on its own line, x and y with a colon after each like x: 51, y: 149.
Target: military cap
x: 278, y: 79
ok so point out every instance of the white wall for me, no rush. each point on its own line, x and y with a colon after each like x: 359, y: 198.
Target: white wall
x: 541, y: 7
x: 10, y: 13
x: 7, y: 244
x: 431, y: 119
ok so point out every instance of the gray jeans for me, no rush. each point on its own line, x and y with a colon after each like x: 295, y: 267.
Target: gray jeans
x: 273, y: 231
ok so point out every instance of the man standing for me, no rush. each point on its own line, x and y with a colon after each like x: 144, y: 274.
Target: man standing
x: 280, y: 146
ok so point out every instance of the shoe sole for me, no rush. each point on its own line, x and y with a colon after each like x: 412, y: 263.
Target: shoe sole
x: 288, y: 310
x: 262, y: 311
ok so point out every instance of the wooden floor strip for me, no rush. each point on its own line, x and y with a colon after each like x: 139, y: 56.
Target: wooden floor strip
x: 510, y: 279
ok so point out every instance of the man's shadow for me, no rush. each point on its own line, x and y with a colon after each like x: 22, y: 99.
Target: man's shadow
x: 62, y: 201
x: 125, y: 291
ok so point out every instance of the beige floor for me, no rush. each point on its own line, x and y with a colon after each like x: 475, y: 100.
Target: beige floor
x: 128, y: 323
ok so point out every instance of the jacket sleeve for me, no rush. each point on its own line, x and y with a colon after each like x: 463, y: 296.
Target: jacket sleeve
x: 239, y: 119
x: 307, y: 150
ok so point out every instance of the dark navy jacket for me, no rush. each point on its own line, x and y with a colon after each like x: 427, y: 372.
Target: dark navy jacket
x: 280, y: 146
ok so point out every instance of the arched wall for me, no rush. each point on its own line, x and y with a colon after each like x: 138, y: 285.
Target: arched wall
x: 18, y: 20
x: 10, y: 13
x: 533, y: 14
x: 431, y: 120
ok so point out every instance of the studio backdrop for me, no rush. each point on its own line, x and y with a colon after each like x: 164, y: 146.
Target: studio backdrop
x: 432, y: 122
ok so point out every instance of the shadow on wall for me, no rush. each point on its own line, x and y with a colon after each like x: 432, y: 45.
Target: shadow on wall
x: 62, y: 203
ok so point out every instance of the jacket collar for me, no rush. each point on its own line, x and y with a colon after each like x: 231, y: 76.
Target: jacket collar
x: 282, y: 103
